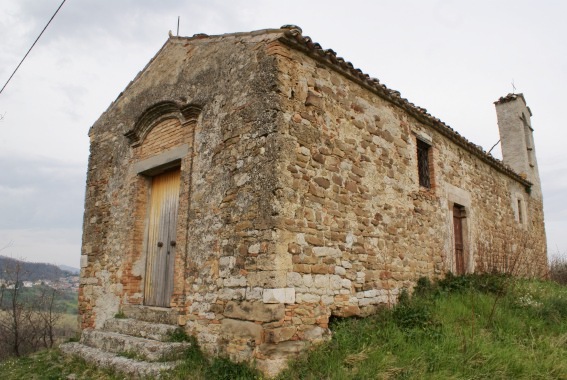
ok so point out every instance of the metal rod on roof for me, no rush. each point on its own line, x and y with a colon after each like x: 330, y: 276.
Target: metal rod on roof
x: 493, y: 146
x: 178, y: 17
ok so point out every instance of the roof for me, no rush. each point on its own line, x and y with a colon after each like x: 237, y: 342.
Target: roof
x: 292, y: 36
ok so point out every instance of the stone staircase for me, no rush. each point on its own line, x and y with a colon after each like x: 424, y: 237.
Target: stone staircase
x: 136, y: 345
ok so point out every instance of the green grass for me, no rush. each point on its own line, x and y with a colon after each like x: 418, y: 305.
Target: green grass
x: 472, y: 327
x: 447, y: 332
x: 51, y: 365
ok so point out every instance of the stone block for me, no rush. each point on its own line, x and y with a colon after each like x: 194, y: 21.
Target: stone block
x: 321, y: 281
x: 232, y: 328
x: 236, y: 281
x: 281, y: 350
x: 327, y: 251
x: 307, y: 280
x: 254, y: 248
x: 279, y: 334
x: 348, y: 311
x: 327, y: 300
x: 280, y: 295
x: 316, y: 334
x: 254, y: 293
x: 294, y: 279
x: 254, y: 311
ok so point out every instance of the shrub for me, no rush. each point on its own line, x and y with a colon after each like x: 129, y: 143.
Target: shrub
x: 488, y: 283
x: 558, y: 270
x: 414, y: 313
x: 424, y: 287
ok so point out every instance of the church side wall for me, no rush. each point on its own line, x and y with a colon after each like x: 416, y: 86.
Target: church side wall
x: 358, y: 226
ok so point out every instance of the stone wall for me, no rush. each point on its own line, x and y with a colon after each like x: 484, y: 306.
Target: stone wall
x: 226, y: 180
x: 358, y: 226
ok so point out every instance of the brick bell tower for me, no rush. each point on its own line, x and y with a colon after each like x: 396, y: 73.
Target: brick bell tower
x: 516, y: 137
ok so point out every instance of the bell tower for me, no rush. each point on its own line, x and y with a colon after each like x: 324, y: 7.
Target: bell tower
x: 516, y: 137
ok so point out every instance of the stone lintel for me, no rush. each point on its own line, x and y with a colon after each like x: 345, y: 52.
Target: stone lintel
x: 162, y: 161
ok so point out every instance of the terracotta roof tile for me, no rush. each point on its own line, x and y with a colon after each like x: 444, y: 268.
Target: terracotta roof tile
x: 510, y: 97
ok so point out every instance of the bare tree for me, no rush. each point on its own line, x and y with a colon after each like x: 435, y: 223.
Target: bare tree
x: 48, y: 315
x: 12, y: 321
x: 28, y: 320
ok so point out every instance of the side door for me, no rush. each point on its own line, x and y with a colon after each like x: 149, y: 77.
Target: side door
x: 458, y: 214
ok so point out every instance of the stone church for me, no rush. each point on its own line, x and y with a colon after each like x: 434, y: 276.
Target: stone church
x: 246, y: 187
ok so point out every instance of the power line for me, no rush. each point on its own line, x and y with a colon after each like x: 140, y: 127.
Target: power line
x: 38, y: 37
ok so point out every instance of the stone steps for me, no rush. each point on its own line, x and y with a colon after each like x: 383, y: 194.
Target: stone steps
x: 142, y: 329
x: 151, y: 314
x: 142, y: 348
x: 137, y: 347
x: 133, y: 368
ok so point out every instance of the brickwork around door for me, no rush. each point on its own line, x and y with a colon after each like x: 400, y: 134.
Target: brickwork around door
x: 164, y: 136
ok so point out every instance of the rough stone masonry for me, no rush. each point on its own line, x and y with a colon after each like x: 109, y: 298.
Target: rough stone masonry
x: 249, y: 186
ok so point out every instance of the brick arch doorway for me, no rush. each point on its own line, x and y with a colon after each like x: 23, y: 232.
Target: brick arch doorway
x: 161, y: 238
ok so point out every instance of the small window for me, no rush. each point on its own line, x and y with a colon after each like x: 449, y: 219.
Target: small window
x: 520, y: 212
x: 423, y: 164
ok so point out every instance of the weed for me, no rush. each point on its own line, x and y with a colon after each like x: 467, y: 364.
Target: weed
x: 120, y: 315
x: 194, y: 354
x: 179, y: 335
x: 75, y: 338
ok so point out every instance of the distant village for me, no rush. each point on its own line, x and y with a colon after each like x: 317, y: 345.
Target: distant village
x: 70, y: 283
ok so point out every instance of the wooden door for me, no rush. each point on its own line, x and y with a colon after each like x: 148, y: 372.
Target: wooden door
x: 162, y: 225
x: 458, y: 214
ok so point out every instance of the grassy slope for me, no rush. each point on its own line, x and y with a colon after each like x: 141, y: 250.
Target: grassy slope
x: 448, y: 332
x: 450, y: 335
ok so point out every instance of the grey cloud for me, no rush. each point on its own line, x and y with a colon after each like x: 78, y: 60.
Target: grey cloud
x: 128, y: 19
x: 37, y: 192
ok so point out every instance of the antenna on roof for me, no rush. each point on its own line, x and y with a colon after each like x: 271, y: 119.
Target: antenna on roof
x: 178, y: 17
x: 513, y: 87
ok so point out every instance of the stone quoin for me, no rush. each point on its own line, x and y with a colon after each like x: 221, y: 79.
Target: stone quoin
x: 246, y: 187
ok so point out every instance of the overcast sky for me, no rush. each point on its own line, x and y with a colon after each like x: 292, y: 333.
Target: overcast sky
x: 452, y: 57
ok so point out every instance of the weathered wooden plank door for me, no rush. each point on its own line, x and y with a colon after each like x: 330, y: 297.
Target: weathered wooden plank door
x: 458, y: 231
x: 162, y: 225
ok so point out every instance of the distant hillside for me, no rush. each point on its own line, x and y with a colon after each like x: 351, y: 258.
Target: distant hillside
x: 69, y: 269
x: 30, y: 271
